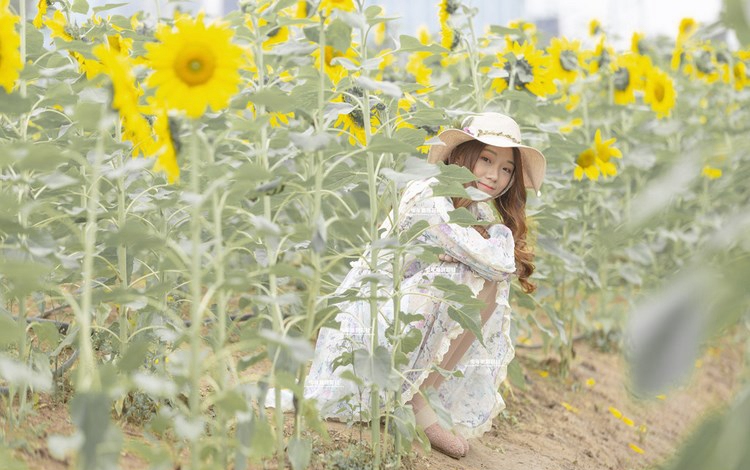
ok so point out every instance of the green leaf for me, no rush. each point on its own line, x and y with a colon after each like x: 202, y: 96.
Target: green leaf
x: 464, y: 218
x: 109, y: 6
x: 88, y: 114
x: 9, y: 329
x: 375, y: 368
x: 372, y: 11
x: 515, y: 375
x: 135, y: 355
x: 412, y: 44
x: 231, y: 402
x: 299, y: 452
x: 80, y: 6
x: 388, y: 88
x: 90, y: 412
x: 339, y: 35
x: 46, y: 333
x: 13, y: 104
x: 256, y: 436
x: 275, y: 99
x: 414, y: 169
x: 382, y: 144
x: 312, y: 33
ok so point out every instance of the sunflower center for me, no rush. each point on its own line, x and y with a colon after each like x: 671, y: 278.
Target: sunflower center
x: 451, y: 6
x: 659, y: 92
x: 622, y: 79
x: 586, y: 159
x: 703, y: 62
x: 194, y: 65
x: 568, y: 60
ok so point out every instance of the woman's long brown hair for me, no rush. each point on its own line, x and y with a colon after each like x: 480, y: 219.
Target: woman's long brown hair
x: 511, y: 206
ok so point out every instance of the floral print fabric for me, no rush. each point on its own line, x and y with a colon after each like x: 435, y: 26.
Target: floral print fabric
x: 473, y: 399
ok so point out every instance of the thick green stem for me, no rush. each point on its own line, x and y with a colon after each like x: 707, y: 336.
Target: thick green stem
x: 196, y: 313
x: 474, y: 55
x: 317, y: 169
x: 271, y: 253
x: 122, y: 255
x: 22, y: 82
x: 88, y: 377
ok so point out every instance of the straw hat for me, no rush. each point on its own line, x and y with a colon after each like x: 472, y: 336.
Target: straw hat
x: 492, y: 129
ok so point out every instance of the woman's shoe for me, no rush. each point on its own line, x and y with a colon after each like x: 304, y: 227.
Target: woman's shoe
x: 445, y: 441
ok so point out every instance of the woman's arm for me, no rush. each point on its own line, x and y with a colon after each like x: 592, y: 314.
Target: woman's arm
x: 492, y: 258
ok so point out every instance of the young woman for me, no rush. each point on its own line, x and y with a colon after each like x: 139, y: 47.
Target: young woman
x: 482, y: 257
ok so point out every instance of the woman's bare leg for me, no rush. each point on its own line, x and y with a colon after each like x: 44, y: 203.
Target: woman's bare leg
x: 425, y: 417
x: 460, y: 345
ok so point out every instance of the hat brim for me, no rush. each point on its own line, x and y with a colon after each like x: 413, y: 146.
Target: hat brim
x: 534, y: 163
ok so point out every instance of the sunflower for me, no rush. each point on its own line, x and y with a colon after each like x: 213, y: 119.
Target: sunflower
x: 415, y: 64
x: 388, y: 58
x: 711, y: 172
x: 379, y: 30
x: 565, y: 59
x: 660, y: 92
x: 446, y: 8
x: 274, y: 36
x: 58, y: 26
x: 41, y: 10
x: 116, y: 66
x: 636, y: 43
x: 194, y: 66
x: 600, y: 58
x: 688, y: 26
x: 275, y: 119
x: 586, y: 165
x: 10, y: 53
x: 739, y: 73
x: 530, y: 72
x: 570, y: 126
x: 406, y: 106
x: 449, y: 37
x: 604, y: 152
x: 595, y: 27
x: 125, y: 96
x: 528, y: 30
x: 353, y: 122
x: 167, y: 146
x: 701, y: 64
x: 303, y: 9
x: 327, y: 6
x: 335, y: 72
x: 628, y: 77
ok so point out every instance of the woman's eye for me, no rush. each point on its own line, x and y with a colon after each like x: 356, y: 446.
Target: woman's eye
x: 485, y: 159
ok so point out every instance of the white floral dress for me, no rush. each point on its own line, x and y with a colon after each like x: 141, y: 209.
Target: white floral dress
x: 472, y: 400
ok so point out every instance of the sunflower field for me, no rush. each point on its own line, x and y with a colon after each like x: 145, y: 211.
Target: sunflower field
x: 180, y: 197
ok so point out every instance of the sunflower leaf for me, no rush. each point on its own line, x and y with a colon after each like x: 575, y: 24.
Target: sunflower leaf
x: 339, y: 35
x: 412, y: 44
x: 388, y: 88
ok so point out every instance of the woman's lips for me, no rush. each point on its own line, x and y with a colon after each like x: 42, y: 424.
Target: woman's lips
x: 488, y: 187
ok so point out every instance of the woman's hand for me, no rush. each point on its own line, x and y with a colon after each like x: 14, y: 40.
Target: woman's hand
x: 447, y: 258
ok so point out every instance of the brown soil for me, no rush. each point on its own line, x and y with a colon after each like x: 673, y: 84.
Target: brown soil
x: 554, y: 424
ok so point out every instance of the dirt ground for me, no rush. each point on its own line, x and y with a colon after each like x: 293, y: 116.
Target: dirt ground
x: 585, y: 421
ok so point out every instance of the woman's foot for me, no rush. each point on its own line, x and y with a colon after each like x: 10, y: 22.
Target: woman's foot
x: 445, y: 441
x: 465, y: 443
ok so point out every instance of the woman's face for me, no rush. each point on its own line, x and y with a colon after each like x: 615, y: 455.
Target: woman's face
x: 494, y: 169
